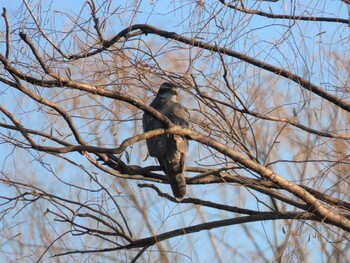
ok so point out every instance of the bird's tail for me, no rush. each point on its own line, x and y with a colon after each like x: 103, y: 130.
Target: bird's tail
x: 174, y: 169
x: 178, y: 184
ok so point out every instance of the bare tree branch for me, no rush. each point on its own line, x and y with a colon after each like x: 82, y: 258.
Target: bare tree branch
x: 267, y: 162
x: 286, y: 17
x: 147, y: 29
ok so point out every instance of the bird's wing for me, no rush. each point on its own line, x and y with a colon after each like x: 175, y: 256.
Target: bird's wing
x: 179, y: 116
x: 176, y: 113
x: 156, y: 145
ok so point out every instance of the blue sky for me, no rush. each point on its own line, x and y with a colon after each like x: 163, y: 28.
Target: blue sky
x: 260, y: 39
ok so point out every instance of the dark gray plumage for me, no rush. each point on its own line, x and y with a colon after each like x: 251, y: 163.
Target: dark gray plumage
x: 169, y: 149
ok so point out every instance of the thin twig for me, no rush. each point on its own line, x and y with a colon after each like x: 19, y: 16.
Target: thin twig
x: 42, y: 31
x: 147, y: 29
x: 8, y: 36
x: 96, y: 20
x: 289, y: 17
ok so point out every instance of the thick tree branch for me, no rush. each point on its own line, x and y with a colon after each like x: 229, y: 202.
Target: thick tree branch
x: 317, y: 207
x: 89, y: 187
x: 313, y: 202
x: 289, y: 17
x: 147, y: 29
x: 211, y: 176
x: 201, y: 202
x: 63, y: 82
x: 149, y: 241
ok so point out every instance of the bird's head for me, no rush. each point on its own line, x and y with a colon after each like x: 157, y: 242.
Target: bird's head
x: 168, y: 91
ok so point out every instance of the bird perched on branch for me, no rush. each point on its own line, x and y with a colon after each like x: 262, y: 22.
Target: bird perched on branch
x: 169, y: 149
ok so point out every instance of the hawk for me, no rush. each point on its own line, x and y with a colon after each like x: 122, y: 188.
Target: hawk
x: 169, y: 149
